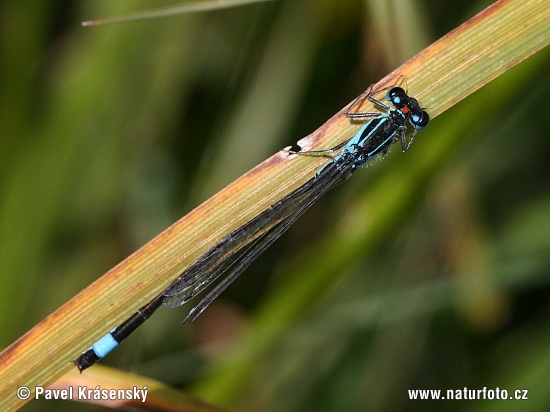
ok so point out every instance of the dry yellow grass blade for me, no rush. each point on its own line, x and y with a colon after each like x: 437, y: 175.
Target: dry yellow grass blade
x: 136, y: 391
x: 444, y: 73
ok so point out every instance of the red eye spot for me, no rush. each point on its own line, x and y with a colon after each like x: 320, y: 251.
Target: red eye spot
x: 405, y: 110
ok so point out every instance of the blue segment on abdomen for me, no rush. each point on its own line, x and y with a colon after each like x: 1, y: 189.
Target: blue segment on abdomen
x: 105, y: 345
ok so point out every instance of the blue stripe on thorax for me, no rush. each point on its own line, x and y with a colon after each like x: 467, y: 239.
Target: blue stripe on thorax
x: 361, y: 138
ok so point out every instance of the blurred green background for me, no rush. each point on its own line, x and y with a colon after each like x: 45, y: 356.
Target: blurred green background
x: 109, y: 134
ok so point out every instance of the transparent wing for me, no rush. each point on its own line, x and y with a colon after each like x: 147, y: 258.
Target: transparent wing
x: 222, y: 255
x: 236, y: 251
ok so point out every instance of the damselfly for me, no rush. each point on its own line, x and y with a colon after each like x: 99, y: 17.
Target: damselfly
x: 228, y: 258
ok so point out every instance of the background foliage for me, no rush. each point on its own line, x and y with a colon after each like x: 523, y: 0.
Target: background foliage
x: 109, y: 134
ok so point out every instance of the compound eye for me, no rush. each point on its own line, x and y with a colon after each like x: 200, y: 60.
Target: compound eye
x: 419, y: 119
x: 397, y: 97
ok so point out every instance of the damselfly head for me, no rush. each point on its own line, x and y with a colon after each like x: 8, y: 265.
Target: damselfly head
x: 397, y: 97
x: 418, y: 118
x: 408, y: 106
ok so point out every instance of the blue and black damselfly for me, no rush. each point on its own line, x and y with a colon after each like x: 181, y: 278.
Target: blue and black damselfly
x: 227, y: 259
